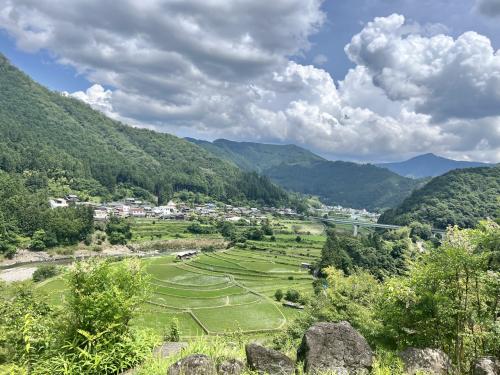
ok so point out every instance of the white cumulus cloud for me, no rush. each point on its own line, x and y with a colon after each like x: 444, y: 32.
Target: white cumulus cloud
x: 216, y: 68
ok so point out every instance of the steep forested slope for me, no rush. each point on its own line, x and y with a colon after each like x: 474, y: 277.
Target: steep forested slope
x: 461, y: 197
x: 429, y: 165
x: 46, y: 131
x: 344, y: 183
x: 297, y: 169
x: 259, y: 157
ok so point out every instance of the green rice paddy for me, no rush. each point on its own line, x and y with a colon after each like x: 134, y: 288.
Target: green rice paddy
x: 225, y: 291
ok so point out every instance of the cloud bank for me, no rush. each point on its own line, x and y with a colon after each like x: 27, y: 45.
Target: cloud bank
x: 213, y: 68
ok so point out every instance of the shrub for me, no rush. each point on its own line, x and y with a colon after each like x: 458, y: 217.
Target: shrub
x: 278, y: 295
x: 292, y: 295
x: 45, y: 271
x: 97, y: 248
x: 208, y: 249
x: 173, y: 333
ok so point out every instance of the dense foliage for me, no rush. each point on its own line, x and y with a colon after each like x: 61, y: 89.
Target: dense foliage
x: 118, y: 231
x: 61, y: 137
x: 91, y: 334
x: 381, y: 255
x: 449, y: 298
x: 461, y: 197
x: 25, y: 211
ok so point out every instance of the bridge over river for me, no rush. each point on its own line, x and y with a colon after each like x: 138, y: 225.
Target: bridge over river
x: 356, y: 224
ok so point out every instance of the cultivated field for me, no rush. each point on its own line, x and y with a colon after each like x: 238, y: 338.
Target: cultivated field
x: 228, y: 290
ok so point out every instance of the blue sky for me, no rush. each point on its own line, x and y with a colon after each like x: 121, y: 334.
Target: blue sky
x: 277, y: 71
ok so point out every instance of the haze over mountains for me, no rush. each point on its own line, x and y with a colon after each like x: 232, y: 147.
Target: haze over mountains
x: 429, y: 165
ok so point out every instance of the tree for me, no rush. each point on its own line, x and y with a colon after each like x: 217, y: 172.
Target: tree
x: 419, y: 230
x: 266, y: 228
x: 118, y: 231
x: 292, y: 295
x: 38, y: 240
x: 449, y: 300
x: 278, y: 295
x: 227, y: 230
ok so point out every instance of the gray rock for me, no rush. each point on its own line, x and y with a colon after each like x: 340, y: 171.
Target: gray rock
x: 486, y: 366
x: 335, y: 347
x: 433, y: 361
x: 168, y: 349
x: 268, y: 361
x: 231, y: 367
x: 195, y: 364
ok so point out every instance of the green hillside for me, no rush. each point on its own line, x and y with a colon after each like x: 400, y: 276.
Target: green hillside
x: 257, y: 156
x: 297, y: 169
x: 348, y: 184
x: 47, y: 132
x: 461, y: 197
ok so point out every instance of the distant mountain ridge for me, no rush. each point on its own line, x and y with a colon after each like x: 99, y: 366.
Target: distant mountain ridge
x: 335, y: 182
x: 429, y: 165
x: 259, y: 157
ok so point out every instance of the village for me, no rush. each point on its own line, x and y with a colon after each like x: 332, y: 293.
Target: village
x: 134, y: 208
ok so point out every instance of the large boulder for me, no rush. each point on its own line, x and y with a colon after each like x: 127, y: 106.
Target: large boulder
x: 335, y: 347
x: 268, y: 361
x: 486, y: 366
x: 432, y: 361
x: 195, y: 364
x: 230, y: 367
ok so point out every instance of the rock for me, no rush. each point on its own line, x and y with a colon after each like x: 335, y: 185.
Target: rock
x: 335, y: 347
x: 433, y: 361
x: 195, y: 364
x: 268, y: 361
x: 486, y: 366
x: 231, y: 367
x: 169, y: 348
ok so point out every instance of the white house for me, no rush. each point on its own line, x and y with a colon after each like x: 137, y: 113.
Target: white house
x: 100, y: 214
x: 58, y: 202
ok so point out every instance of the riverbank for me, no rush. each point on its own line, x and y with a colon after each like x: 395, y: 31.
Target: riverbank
x: 22, y: 266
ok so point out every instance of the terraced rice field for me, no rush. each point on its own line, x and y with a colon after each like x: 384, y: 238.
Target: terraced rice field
x: 151, y: 229
x: 215, y: 293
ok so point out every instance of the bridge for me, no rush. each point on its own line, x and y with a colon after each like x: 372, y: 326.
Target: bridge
x: 356, y: 224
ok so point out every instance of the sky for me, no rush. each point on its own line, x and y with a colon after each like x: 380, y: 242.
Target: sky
x: 362, y: 80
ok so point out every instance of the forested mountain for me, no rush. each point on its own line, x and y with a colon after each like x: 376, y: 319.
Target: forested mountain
x: 429, y: 165
x: 461, y: 197
x: 46, y: 132
x: 348, y: 184
x: 297, y: 169
x: 259, y: 157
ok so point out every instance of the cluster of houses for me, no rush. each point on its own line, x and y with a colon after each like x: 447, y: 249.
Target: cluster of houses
x: 131, y: 207
x: 347, y: 213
